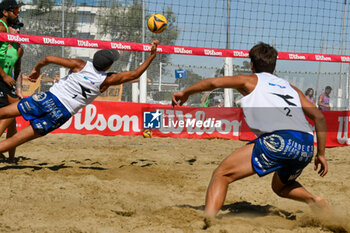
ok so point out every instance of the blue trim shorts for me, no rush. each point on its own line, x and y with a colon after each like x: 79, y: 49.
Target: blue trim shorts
x: 44, y: 111
x: 286, y: 151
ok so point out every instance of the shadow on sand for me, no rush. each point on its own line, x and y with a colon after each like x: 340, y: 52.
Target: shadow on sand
x: 17, y: 165
x: 247, y: 209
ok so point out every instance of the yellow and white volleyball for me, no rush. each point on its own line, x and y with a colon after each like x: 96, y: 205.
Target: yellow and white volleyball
x: 147, y: 133
x: 157, y: 23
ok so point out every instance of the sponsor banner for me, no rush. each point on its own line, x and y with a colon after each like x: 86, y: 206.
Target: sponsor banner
x: 241, y: 53
x: 320, y: 57
x: 182, y: 50
x: 130, y: 119
x: 189, y: 122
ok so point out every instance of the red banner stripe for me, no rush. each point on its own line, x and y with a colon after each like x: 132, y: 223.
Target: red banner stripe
x: 122, y: 118
x: 182, y: 50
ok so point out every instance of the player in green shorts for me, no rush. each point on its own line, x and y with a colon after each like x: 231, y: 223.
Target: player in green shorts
x: 8, y: 95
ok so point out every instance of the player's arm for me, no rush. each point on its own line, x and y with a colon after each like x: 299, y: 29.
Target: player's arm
x: 7, y: 78
x: 17, y: 72
x: 17, y: 66
x: 73, y: 64
x: 19, y: 81
x: 316, y: 115
x: 239, y: 82
x: 123, y: 77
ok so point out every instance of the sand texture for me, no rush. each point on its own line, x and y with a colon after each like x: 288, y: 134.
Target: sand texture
x: 90, y: 183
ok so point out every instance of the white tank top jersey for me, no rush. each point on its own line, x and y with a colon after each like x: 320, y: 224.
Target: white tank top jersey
x: 273, y: 105
x: 77, y: 90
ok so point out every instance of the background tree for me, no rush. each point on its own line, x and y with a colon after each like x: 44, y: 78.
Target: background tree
x: 124, y: 23
x: 246, y: 65
x: 191, y: 79
x: 45, y: 18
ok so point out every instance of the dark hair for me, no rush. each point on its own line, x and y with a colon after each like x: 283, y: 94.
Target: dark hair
x: 8, y: 5
x: 263, y: 57
x: 104, y: 58
x: 328, y: 87
x: 308, y: 91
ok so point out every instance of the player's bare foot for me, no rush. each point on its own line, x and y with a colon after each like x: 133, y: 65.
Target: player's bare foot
x: 320, y: 207
x: 208, y: 222
x: 2, y: 157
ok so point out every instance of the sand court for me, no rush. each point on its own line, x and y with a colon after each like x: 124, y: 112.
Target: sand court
x: 91, y: 183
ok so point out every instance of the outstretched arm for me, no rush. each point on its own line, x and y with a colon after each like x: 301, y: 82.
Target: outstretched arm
x: 73, y: 64
x: 316, y: 115
x: 243, y: 83
x: 123, y: 77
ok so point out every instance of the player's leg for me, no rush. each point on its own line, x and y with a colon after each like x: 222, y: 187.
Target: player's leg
x: 4, y: 123
x: 234, y: 167
x: 12, y: 130
x: 294, y: 190
x: 9, y: 111
x: 5, y: 101
x: 26, y: 134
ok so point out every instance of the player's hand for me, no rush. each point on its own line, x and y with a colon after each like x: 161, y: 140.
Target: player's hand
x: 154, y: 46
x: 34, y: 75
x: 9, y: 80
x: 179, y: 98
x: 19, y: 93
x: 321, y: 160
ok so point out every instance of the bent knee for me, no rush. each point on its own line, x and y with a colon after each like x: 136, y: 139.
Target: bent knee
x: 228, y: 176
x: 278, y: 189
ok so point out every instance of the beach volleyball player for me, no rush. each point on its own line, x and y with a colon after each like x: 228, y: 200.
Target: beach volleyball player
x: 47, y: 111
x: 275, y: 111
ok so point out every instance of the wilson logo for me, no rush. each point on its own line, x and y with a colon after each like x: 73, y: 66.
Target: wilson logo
x: 148, y: 48
x: 345, y: 59
x: 86, y: 43
x: 322, y: 58
x: 212, y: 52
x: 182, y: 50
x: 52, y: 41
x: 17, y: 38
x: 296, y: 57
x: 120, y: 46
x: 240, y: 54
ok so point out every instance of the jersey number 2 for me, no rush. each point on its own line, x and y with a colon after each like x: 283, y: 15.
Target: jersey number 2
x: 287, y: 112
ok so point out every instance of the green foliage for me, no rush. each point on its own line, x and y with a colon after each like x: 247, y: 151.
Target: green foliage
x: 246, y: 65
x: 163, y: 95
x: 121, y: 23
x: 191, y: 79
x: 168, y: 37
x: 45, y: 20
x: 43, y: 6
x: 124, y: 23
x: 220, y: 72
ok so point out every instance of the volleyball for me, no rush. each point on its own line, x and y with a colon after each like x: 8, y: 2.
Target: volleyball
x: 157, y: 23
x: 147, y: 133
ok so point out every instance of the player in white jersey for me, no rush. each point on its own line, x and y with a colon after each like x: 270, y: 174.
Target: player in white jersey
x: 49, y: 110
x: 275, y: 111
